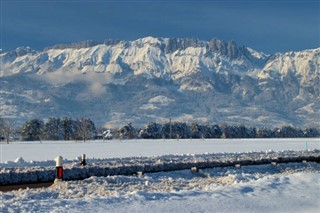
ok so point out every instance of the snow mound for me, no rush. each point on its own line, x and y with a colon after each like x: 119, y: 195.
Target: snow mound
x: 19, y: 160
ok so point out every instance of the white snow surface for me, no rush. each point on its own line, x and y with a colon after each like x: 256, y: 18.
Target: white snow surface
x: 48, y: 150
x: 285, y: 188
x: 293, y: 187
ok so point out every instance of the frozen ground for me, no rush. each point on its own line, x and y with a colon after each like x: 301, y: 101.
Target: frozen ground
x: 48, y: 150
x: 267, y: 188
x: 291, y: 187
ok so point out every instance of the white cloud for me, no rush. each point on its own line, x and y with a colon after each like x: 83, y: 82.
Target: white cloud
x: 97, y: 89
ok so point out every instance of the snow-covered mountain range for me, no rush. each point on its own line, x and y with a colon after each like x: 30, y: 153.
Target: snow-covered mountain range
x: 154, y: 79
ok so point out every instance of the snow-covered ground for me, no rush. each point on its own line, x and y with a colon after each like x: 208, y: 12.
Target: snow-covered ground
x: 293, y: 187
x: 48, y: 150
x: 284, y: 188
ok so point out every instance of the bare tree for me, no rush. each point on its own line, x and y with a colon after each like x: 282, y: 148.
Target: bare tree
x: 6, y: 129
x: 86, y: 129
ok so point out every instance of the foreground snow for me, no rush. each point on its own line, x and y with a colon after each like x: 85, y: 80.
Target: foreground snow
x: 293, y: 187
x: 283, y: 188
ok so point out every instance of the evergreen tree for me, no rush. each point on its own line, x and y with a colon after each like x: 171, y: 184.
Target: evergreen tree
x: 264, y: 132
x: 196, y: 131
x: 32, y: 130
x: 180, y: 130
x: 230, y: 131
x: 288, y: 132
x: 311, y: 132
x: 69, y: 128
x: 246, y: 132
x: 128, y: 132
x: 53, y: 129
x: 214, y: 131
x: 205, y: 131
x: 152, y: 131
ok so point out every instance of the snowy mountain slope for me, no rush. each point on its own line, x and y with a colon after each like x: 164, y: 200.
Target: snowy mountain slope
x: 153, y: 57
x: 203, y: 81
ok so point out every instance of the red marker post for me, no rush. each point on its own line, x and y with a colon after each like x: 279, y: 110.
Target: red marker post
x: 59, y: 168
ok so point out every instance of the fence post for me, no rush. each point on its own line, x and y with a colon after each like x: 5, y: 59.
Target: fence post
x: 83, y: 160
x: 59, y: 168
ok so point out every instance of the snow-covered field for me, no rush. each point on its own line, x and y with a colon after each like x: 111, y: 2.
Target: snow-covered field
x: 48, y: 150
x: 293, y: 187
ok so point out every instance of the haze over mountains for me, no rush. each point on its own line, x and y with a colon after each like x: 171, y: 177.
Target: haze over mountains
x: 154, y: 79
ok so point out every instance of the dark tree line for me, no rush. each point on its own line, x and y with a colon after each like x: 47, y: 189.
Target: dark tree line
x: 84, y: 129
x: 58, y: 129
x: 179, y: 130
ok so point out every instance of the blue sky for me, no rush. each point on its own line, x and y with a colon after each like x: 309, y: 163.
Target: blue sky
x: 265, y: 25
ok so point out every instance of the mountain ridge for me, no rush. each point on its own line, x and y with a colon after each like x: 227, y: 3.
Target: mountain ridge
x: 209, y: 81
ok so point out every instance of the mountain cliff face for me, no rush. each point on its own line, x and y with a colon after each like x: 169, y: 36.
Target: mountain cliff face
x: 154, y: 79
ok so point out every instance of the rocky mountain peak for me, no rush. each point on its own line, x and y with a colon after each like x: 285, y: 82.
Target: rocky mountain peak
x: 205, y: 81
